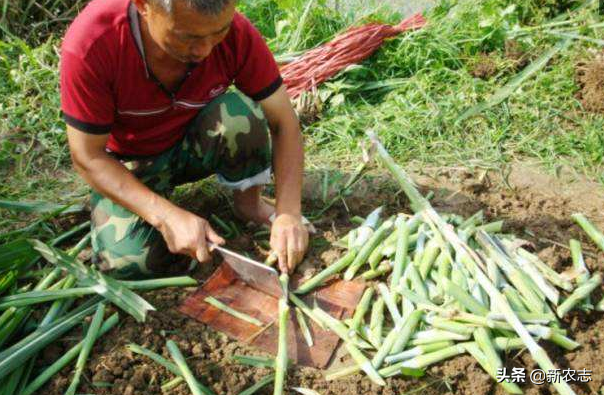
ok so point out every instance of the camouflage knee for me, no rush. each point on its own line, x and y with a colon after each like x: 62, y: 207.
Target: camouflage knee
x: 126, y: 246
x: 231, y: 138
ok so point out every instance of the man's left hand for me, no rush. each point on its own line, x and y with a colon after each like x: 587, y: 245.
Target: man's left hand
x: 289, y: 240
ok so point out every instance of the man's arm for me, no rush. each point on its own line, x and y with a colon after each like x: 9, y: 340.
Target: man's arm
x: 184, y: 232
x: 289, y: 237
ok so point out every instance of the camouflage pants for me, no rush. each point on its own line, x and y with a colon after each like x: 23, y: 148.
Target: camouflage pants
x: 229, y: 138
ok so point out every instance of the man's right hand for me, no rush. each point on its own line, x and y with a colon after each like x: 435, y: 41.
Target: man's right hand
x: 188, y: 234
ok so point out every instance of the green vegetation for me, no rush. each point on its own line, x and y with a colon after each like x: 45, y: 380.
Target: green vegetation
x: 412, y: 92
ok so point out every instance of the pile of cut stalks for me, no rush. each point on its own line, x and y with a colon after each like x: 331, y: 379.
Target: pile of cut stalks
x: 441, y: 285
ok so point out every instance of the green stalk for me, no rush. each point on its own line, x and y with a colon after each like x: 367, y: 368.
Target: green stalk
x: 428, y: 258
x: 464, y: 298
x: 155, y: 357
x: 423, y: 361
x: 263, y: 382
x: 376, y: 322
x: 148, y: 285
x: 473, y: 349
x: 386, y: 347
x: 304, y: 327
x: 417, y: 351
x: 449, y: 325
x: 580, y: 293
x: 169, y: 385
x: 407, y: 331
x: 474, y: 220
x: 390, y: 303
x: 563, y: 341
x: 339, y: 328
x: 66, y: 358
x: 195, y: 387
x: 305, y: 309
x: 578, y: 261
x: 400, y: 257
x: 324, y: 274
x: 257, y: 362
x: 514, y: 298
x: 549, y: 273
x: 508, y: 343
x: 384, y: 268
x: 417, y: 283
x: 37, y: 297
x: 229, y: 310
x: 91, y: 336
x: 368, y: 248
x: 436, y: 335
x: 281, y: 358
x: 491, y: 227
x: 590, y: 229
x: 376, y: 256
x: 361, y: 310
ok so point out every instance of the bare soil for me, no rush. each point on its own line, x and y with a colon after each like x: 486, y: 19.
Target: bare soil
x: 535, y: 206
x: 590, y: 78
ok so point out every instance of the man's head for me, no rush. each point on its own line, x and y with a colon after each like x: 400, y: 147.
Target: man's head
x: 187, y: 30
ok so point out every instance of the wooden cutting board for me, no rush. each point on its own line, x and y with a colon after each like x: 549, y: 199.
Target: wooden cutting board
x: 338, y: 298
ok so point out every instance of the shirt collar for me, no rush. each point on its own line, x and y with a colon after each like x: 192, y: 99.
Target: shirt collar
x: 135, y: 29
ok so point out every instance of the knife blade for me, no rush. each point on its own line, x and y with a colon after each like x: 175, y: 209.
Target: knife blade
x: 257, y: 275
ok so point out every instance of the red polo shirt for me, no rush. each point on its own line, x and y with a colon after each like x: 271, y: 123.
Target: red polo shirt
x: 107, y: 88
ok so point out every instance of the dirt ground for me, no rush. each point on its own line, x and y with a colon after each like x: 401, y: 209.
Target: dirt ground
x: 535, y: 206
x: 590, y: 78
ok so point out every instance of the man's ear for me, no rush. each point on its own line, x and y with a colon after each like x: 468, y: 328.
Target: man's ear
x: 142, y: 6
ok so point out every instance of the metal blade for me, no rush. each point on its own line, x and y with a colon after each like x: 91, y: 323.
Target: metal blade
x: 257, y: 275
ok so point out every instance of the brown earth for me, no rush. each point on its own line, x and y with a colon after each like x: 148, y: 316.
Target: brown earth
x: 484, y: 67
x: 535, y: 206
x: 590, y: 78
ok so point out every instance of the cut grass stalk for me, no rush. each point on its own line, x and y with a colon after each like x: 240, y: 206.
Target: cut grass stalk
x: 400, y: 257
x: 376, y: 322
x: 155, y: 357
x: 549, y: 273
x: 196, y: 387
x: 339, y: 328
x: 428, y: 258
x: 229, y: 310
x: 417, y: 284
x: 366, y: 250
x: 488, y: 365
x: 578, y: 261
x: 263, y: 382
x: 66, y: 358
x: 355, y: 353
x: 435, y: 335
x: 306, y: 309
x: 38, y: 297
x: 417, y: 351
x: 257, y: 362
x: 89, y: 339
x: 508, y: 343
x: 281, y: 358
x: 409, y: 327
x: 590, y: 229
x: 464, y: 298
x: 423, y: 361
x: 384, y: 268
x: 579, y: 294
x: 449, y: 325
x: 326, y: 273
x: 148, y: 285
x: 363, y: 306
x: 388, y: 298
x: 304, y: 327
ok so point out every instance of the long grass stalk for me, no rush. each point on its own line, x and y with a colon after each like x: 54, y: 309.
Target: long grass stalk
x: 281, y: 358
x: 579, y: 294
x: 549, y: 273
x: 322, y: 276
x: 409, y: 327
x: 66, y: 358
x: 400, y: 257
x: 376, y: 322
x: 488, y: 365
x: 579, y: 265
x: 417, y: 351
x: 263, y: 382
x: 596, y: 236
x: 195, y: 386
x: 390, y: 303
x: 89, y: 339
x: 422, y: 361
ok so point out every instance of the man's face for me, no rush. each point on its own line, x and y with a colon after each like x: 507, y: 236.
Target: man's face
x: 185, y: 34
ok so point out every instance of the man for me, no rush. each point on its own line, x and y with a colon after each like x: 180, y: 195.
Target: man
x: 144, y: 95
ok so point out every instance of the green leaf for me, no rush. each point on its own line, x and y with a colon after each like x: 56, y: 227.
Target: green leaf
x: 16, y: 253
x: 40, y: 207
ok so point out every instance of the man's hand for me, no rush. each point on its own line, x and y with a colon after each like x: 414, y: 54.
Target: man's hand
x: 289, y: 240
x: 188, y: 234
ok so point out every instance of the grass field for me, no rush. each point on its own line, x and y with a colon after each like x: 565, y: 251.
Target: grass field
x: 412, y: 92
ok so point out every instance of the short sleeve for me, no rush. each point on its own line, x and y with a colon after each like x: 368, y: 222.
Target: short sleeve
x: 87, y: 101
x: 257, y: 74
